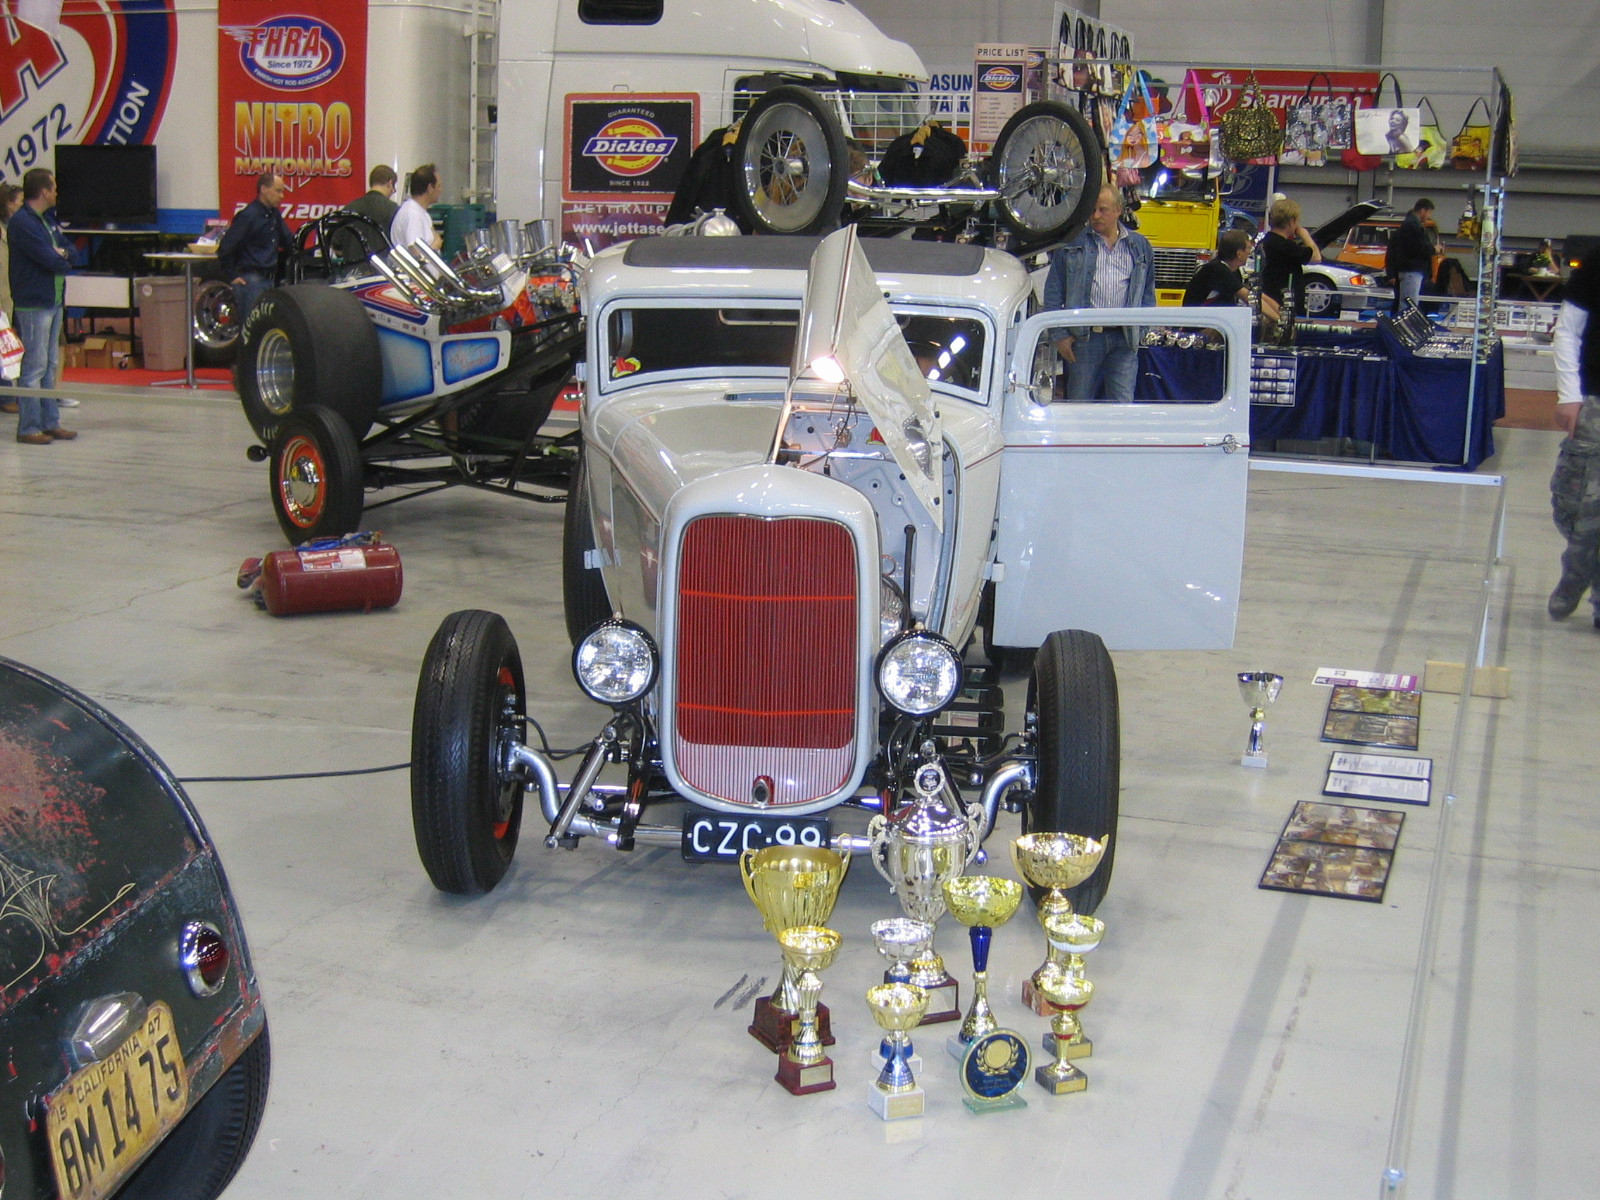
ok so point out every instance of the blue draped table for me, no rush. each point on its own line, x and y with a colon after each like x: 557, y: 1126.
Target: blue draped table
x: 1409, y: 408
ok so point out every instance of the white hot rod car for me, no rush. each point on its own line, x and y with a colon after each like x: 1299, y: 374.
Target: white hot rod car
x: 811, y: 468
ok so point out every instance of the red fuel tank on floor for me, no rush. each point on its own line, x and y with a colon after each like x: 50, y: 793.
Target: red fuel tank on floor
x: 331, y: 580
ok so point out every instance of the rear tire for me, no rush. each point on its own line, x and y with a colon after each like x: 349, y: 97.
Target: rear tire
x: 1073, y: 698
x: 1049, y: 146
x: 308, y: 344
x: 466, y: 808
x: 200, y: 1157
x: 793, y: 163
x: 318, y: 482
x: 583, y: 588
x: 216, y: 323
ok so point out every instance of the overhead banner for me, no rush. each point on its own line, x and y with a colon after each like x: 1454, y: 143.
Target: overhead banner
x: 291, y: 97
x: 78, y: 73
x: 1222, y: 87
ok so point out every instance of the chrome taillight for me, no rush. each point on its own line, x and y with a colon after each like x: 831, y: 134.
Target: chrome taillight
x: 204, y: 956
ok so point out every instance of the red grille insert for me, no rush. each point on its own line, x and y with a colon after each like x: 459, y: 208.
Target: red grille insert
x: 766, y: 654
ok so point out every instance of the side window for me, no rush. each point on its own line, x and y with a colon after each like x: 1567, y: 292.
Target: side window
x: 619, y: 12
x: 1145, y: 364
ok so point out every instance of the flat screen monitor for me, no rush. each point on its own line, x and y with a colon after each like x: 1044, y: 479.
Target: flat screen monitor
x: 103, y: 184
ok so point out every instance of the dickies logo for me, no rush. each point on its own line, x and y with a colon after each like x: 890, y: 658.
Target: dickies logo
x: 630, y: 146
x: 292, y: 53
x: 1000, y: 79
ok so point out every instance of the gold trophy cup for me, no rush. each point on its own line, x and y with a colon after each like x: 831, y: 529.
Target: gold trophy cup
x: 807, y: 949
x: 982, y: 903
x: 1057, y: 861
x: 1074, y: 935
x: 1066, y: 994
x: 897, y: 1007
x: 790, y: 886
x: 901, y: 941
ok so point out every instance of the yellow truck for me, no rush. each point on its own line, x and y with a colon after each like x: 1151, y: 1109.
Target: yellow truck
x: 1182, y: 228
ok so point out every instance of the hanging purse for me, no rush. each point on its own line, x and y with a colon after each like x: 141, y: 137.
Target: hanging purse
x: 1339, y: 123
x: 1082, y: 50
x: 1133, y: 139
x: 1251, y: 131
x: 1388, y: 129
x: 1305, y: 134
x: 1430, y: 151
x: 1469, y: 149
x: 1186, y: 145
x: 1505, y: 136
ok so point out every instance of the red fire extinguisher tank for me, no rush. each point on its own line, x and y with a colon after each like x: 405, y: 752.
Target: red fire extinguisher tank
x: 333, y: 579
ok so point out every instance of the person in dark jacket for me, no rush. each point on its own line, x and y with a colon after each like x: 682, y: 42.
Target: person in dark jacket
x: 39, y: 267
x: 1575, y: 486
x: 1285, y: 251
x: 1409, y: 257
x: 1105, y: 266
x: 250, y: 249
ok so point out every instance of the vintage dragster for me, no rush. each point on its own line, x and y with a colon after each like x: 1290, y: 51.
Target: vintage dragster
x: 807, y: 466
x: 452, y: 367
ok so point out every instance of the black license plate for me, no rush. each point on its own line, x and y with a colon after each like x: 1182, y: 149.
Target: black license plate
x: 722, y: 837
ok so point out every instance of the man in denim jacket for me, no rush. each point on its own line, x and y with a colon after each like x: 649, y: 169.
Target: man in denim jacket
x: 1105, y: 266
x: 39, y: 268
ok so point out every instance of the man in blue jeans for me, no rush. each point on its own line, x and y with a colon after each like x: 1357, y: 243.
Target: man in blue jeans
x: 39, y: 267
x: 1409, y: 257
x: 250, y: 249
x: 1105, y: 266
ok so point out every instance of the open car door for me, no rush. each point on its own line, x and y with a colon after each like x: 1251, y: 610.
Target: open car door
x: 1124, y: 514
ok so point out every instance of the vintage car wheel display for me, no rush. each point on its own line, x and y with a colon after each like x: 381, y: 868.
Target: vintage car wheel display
x: 466, y: 807
x: 793, y: 162
x: 1073, y: 696
x: 583, y: 588
x: 308, y: 344
x: 203, y: 1154
x: 216, y: 323
x: 317, y: 477
x: 1041, y: 165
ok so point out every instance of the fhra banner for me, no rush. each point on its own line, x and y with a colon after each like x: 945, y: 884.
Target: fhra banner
x: 81, y: 73
x: 291, y: 95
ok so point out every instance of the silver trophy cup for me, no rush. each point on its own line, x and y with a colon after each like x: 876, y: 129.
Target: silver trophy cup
x: 1259, y: 689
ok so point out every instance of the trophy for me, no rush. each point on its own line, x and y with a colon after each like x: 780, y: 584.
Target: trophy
x: 1259, y: 689
x: 993, y: 1070
x: 1066, y: 994
x: 1075, y: 935
x: 896, y: 1007
x: 805, y: 1067
x: 916, y: 849
x: 900, y: 940
x: 981, y: 903
x: 790, y: 885
x: 1056, y: 861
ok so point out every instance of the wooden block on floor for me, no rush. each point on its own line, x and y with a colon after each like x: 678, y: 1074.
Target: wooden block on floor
x: 1493, y: 683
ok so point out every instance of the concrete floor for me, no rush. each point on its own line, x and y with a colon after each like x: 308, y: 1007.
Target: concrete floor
x: 570, y: 1034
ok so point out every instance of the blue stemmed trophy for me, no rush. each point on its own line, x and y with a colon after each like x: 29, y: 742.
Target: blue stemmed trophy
x: 901, y: 940
x: 982, y: 903
x: 896, y: 1007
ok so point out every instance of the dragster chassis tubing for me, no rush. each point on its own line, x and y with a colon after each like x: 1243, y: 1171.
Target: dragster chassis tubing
x: 479, y: 460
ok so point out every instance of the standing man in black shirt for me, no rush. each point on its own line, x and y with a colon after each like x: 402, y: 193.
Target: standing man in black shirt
x: 1575, y: 487
x: 250, y: 249
x: 1284, y: 253
x: 1409, y: 257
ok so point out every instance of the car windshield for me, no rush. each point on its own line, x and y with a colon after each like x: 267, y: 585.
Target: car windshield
x: 647, y: 341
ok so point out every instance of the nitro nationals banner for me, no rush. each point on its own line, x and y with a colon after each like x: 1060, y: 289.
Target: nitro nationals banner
x: 81, y: 72
x: 291, y: 98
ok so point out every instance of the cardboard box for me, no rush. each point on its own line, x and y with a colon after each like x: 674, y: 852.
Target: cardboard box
x: 97, y: 352
x: 72, y: 355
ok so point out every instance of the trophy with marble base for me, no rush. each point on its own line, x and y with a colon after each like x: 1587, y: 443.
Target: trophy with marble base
x: 1076, y: 935
x: 896, y: 1007
x: 901, y: 940
x: 805, y: 1067
x: 992, y: 1071
x: 1066, y: 996
x: 924, y: 843
x: 1056, y: 861
x: 1259, y: 689
x: 982, y: 903
x: 790, y: 886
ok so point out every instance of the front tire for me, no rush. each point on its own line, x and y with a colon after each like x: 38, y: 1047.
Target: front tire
x: 792, y: 162
x: 317, y: 478
x: 308, y: 344
x: 1322, y: 297
x: 201, y: 1156
x: 466, y: 807
x: 1041, y: 164
x: 1072, y: 697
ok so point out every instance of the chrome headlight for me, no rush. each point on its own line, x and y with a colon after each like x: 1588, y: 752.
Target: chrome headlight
x: 891, y: 610
x: 616, y: 662
x: 919, y: 673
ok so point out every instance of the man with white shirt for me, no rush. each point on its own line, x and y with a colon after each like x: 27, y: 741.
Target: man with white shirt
x: 412, y: 223
x: 1105, y: 266
x: 1575, y: 487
